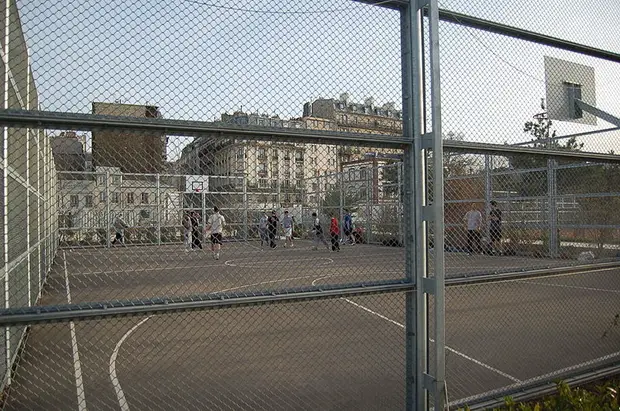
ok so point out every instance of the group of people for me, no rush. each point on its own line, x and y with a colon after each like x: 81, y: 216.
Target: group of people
x: 334, y: 231
x: 474, y: 223
x: 214, y: 227
x: 268, y: 228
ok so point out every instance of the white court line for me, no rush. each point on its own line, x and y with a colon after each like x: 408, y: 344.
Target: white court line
x: 130, y: 271
x: 259, y: 263
x: 467, y: 357
x: 576, y: 287
x: 77, y: 365
x: 120, y: 395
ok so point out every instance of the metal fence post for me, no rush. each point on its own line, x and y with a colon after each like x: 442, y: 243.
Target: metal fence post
x: 415, y: 236
x: 488, y: 189
x: 552, y: 215
x: 158, y: 207
x: 5, y: 194
x: 342, y: 200
x: 246, y: 227
x: 28, y: 187
x: 108, y: 217
x: 438, y: 211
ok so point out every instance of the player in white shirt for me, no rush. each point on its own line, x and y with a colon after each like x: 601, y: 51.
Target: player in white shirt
x: 216, y: 225
x: 287, y: 225
x: 473, y: 218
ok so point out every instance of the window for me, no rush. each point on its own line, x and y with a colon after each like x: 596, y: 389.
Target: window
x: 145, y: 198
x: 240, y: 153
x: 89, y: 200
x: 262, y: 170
x: 102, y: 197
x: 129, y: 198
x: 240, y: 166
x: 286, y: 183
x: 287, y: 174
x: 115, y: 198
x: 116, y: 179
x: 263, y: 183
x: 287, y: 155
x: 315, y: 186
x: 101, y: 180
x: 299, y: 156
x: 74, y: 200
x: 262, y: 153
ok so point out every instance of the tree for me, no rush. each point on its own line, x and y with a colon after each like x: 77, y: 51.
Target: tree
x: 534, y: 183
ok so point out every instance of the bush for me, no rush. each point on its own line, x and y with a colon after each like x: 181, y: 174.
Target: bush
x: 601, y: 396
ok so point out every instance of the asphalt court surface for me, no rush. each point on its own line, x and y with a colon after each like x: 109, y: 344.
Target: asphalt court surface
x: 329, y: 354
x: 139, y: 272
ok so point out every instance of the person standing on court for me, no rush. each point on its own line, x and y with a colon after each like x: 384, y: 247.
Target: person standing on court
x: 348, y: 228
x: 473, y: 220
x: 187, y: 231
x: 495, y: 228
x: 196, y: 234
x: 119, y: 228
x: 272, y: 225
x: 262, y: 230
x: 287, y: 225
x: 216, y: 226
x: 317, y: 229
x: 334, y: 230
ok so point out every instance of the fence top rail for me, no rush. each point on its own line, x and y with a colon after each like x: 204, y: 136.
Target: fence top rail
x: 81, y: 121
x: 504, y: 149
x: 503, y: 29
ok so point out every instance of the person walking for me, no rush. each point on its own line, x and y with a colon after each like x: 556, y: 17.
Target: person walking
x: 473, y: 220
x: 272, y: 227
x: 495, y: 228
x: 334, y: 231
x: 196, y: 234
x: 215, y: 226
x: 187, y: 232
x: 119, y: 228
x: 348, y: 228
x: 262, y: 230
x: 317, y: 229
x: 287, y: 225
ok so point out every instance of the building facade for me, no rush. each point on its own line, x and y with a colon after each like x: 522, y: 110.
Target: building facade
x: 69, y: 152
x: 92, y: 202
x: 130, y: 151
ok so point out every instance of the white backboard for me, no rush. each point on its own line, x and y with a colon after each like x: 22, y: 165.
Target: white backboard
x: 557, y: 74
x: 196, y: 184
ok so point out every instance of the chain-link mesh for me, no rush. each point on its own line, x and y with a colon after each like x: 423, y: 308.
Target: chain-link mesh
x: 213, y: 205
x: 516, y: 208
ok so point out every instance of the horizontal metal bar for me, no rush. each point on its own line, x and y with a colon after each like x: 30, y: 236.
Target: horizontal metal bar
x: 80, y: 121
x: 521, y: 34
x: 585, y: 133
x: 505, y: 150
x: 504, y: 29
x: 541, y: 388
x: 73, y: 312
x: 518, y: 275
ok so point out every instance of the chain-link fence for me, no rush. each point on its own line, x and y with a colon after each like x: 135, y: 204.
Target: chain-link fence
x: 258, y: 205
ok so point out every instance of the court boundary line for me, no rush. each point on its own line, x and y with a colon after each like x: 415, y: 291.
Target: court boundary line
x: 120, y: 394
x: 77, y: 365
x: 460, y: 354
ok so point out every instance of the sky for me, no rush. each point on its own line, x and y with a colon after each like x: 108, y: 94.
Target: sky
x: 197, y: 59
